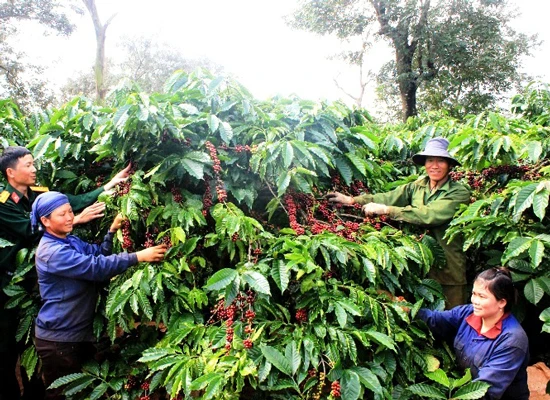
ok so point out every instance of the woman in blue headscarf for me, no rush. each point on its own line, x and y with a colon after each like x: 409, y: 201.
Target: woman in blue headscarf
x: 68, y: 269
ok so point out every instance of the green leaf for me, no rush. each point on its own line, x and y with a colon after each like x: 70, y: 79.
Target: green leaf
x: 121, y: 116
x: 288, y: 155
x: 205, y: 380
x: 515, y: 248
x: 381, y: 338
x: 79, y: 385
x: 5, y: 243
x: 545, y: 317
x: 292, y: 353
x: 462, y: 381
x: 350, y: 386
x: 277, y: 359
x: 214, y: 388
x: 281, y: 274
x: 64, y: 380
x: 368, y: 379
x: 534, y: 150
x: 540, y: 202
x: 344, y: 169
x: 257, y: 281
x: 226, y: 132
x: 524, y: 200
x: 341, y: 315
x: 536, y: 252
x: 440, y: 377
x: 213, y: 123
x: 221, y: 279
x: 99, y: 391
x: 473, y: 390
x: 426, y: 391
x: 357, y: 163
x: 29, y: 360
x: 533, y: 291
x: 282, y: 183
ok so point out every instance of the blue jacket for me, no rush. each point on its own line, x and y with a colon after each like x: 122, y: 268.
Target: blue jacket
x: 67, y: 272
x: 498, y: 357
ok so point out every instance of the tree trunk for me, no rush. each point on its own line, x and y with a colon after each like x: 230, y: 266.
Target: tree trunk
x: 406, y: 80
x: 100, y: 35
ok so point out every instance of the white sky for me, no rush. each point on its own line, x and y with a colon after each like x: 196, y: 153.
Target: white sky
x: 248, y: 37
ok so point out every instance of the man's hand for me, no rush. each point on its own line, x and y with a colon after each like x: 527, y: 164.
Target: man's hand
x: 90, y: 213
x: 117, y: 223
x: 375, y: 209
x: 122, y: 176
x: 336, y: 197
x: 152, y: 254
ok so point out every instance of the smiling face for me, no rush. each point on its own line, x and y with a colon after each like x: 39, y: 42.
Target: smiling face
x: 23, y: 173
x: 60, y: 221
x: 437, y: 168
x: 485, y: 303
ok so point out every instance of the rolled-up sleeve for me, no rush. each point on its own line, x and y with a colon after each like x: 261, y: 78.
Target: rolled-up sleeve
x: 435, y: 213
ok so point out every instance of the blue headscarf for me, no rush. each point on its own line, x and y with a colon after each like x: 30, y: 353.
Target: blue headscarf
x: 44, y: 205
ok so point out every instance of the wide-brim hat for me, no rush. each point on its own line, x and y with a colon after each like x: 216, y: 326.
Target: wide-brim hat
x: 436, y: 147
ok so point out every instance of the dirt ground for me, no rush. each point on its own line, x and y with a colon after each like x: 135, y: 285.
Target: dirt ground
x: 538, y: 377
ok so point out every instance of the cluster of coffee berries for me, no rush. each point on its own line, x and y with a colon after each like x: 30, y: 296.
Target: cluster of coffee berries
x: 149, y: 240
x: 242, y: 149
x: 291, y: 210
x: 127, y: 243
x: 166, y: 241
x: 335, y: 389
x: 178, y: 198
x: 145, y: 387
x: 301, y: 315
x: 207, y: 197
x: 100, y: 180
x: 319, y: 388
x: 221, y: 193
x: 240, y: 308
x: 133, y: 167
x: 357, y: 188
x: 123, y: 188
x: 131, y: 382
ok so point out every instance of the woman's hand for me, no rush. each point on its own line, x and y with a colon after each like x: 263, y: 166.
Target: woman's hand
x: 152, y: 254
x: 117, y: 223
x: 122, y: 176
x: 336, y: 197
x: 90, y: 213
x: 375, y: 209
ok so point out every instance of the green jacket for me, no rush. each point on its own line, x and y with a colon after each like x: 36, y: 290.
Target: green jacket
x: 416, y: 204
x: 15, y: 224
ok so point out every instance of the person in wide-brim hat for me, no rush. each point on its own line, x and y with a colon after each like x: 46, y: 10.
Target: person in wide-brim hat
x: 431, y: 201
x: 436, y: 147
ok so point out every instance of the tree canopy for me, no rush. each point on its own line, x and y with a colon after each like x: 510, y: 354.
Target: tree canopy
x: 459, y: 55
x: 19, y: 80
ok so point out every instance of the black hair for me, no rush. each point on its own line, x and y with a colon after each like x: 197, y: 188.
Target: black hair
x: 9, y: 158
x: 499, y: 283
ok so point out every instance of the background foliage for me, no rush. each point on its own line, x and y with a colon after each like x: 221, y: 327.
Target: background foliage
x: 267, y: 290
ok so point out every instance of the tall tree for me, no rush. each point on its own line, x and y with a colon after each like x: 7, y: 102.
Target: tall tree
x: 463, y: 48
x: 19, y: 80
x: 141, y: 60
x: 100, y: 35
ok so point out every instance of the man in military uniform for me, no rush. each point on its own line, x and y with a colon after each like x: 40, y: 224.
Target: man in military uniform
x: 430, y: 201
x: 17, y: 167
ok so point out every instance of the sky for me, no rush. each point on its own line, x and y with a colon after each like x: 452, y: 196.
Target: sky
x: 249, y: 38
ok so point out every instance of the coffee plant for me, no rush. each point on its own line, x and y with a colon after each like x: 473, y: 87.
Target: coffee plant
x: 268, y: 291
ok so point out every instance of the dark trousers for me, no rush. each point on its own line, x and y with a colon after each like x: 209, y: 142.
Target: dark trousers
x: 60, y: 359
x: 9, y: 388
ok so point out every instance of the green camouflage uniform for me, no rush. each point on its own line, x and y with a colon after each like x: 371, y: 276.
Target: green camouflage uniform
x: 415, y: 203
